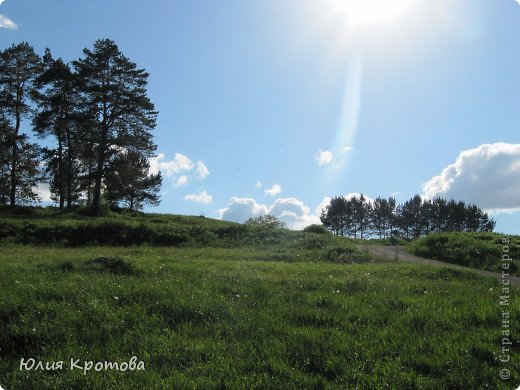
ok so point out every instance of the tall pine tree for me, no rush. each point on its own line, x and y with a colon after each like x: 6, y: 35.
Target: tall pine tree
x: 57, y: 97
x: 19, y: 65
x: 123, y: 115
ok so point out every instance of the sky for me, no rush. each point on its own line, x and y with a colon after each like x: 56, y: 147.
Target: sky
x: 274, y: 106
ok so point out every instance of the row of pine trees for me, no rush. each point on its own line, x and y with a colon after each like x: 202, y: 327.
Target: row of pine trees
x: 358, y: 217
x: 94, y: 121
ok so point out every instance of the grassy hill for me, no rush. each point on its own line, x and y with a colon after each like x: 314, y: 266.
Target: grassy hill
x: 210, y: 304
x: 475, y: 250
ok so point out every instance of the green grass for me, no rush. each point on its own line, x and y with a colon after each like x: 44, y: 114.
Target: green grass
x: 208, y: 317
x: 475, y: 250
x: 236, y: 307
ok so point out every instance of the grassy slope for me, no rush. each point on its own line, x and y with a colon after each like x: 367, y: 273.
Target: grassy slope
x: 475, y: 250
x: 261, y: 315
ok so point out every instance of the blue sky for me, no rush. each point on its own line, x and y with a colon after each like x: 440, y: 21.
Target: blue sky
x: 275, y: 105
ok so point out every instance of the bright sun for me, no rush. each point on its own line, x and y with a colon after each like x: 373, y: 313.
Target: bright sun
x: 362, y: 12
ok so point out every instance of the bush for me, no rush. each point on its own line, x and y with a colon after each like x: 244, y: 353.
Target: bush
x: 341, y: 255
x: 475, y: 250
x: 314, y: 228
x: 91, y: 233
x: 266, y: 221
x: 313, y: 241
x: 202, y: 235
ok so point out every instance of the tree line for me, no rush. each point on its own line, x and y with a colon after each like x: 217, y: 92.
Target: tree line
x: 94, y: 120
x: 383, y: 218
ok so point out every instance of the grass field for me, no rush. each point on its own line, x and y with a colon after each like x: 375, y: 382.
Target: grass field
x: 303, y: 311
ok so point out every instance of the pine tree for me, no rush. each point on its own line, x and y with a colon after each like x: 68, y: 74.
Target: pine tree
x: 19, y: 65
x: 129, y: 182
x: 333, y: 217
x: 58, y: 100
x: 362, y: 211
x: 115, y: 92
x: 377, y: 217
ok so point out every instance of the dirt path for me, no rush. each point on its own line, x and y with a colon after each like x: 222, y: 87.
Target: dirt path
x: 397, y: 252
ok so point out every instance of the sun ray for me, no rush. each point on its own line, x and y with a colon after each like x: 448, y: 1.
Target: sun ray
x: 351, y: 104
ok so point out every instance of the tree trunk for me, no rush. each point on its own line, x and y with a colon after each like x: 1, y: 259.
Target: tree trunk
x: 96, y: 201
x: 14, y: 174
x: 98, y: 177
x: 60, y: 170
x: 69, y: 168
x: 14, y: 162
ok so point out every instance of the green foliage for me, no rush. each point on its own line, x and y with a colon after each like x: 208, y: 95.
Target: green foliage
x: 412, y: 219
x: 129, y: 182
x: 59, y: 117
x: 265, y: 221
x: 19, y: 65
x: 314, y: 228
x: 347, y: 254
x: 114, y: 92
x: 96, y: 119
x: 476, y: 250
x: 50, y: 226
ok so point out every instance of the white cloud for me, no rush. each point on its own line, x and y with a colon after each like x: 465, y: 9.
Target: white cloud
x: 258, y: 184
x: 180, y: 170
x: 347, y: 149
x: 518, y: 1
x: 7, y: 23
x: 202, y: 170
x: 488, y: 176
x: 323, y: 157
x: 240, y: 209
x: 288, y: 206
x: 202, y: 197
x: 274, y: 190
x: 180, y: 163
x: 181, y: 181
x: 293, y: 212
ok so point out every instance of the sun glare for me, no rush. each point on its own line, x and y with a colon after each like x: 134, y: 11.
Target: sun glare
x: 362, y: 12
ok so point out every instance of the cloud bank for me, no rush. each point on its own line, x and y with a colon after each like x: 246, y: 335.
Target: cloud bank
x: 488, y: 176
x: 240, y: 209
x: 292, y: 211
